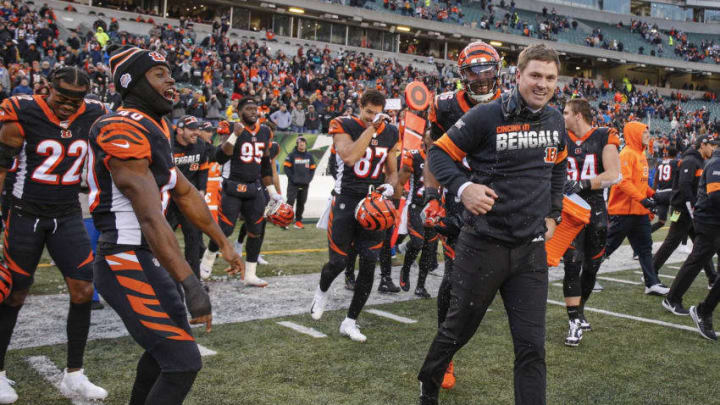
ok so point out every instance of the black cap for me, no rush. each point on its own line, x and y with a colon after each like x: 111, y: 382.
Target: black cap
x: 207, y: 126
x: 189, y: 121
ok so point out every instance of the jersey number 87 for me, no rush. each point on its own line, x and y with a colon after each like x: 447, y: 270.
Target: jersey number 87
x: 363, y: 166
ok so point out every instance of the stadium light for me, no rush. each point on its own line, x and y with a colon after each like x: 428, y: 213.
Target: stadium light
x: 496, y: 43
x: 296, y: 10
x: 403, y: 28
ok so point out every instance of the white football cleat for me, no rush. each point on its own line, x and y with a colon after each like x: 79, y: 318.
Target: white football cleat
x: 318, y: 304
x: 349, y: 328
x: 7, y: 392
x: 76, y: 384
x: 207, y: 263
x: 250, y: 278
x: 657, y: 289
x: 261, y: 260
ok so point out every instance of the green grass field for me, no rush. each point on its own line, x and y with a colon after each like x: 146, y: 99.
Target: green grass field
x: 621, y: 361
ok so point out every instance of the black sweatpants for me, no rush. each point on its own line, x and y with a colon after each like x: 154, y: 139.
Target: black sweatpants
x: 678, y: 232
x: 299, y: 191
x: 521, y: 275
x: 637, y: 229
x: 706, y: 244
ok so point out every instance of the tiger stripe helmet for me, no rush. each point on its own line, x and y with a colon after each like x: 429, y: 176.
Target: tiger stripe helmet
x: 6, y: 282
x: 479, y: 65
x: 280, y: 214
x: 375, y: 212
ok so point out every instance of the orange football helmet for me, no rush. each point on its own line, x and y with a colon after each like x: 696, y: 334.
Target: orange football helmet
x: 375, y: 212
x: 6, y: 282
x: 479, y: 65
x: 279, y: 213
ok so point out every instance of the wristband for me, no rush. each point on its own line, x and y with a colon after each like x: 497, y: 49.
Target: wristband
x: 232, y: 139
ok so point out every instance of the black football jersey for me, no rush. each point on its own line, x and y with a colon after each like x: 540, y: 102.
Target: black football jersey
x: 584, y: 161
x: 665, y: 172
x: 368, y: 171
x: 414, y: 160
x: 445, y: 111
x: 52, y: 157
x: 126, y: 134
x: 251, y: 145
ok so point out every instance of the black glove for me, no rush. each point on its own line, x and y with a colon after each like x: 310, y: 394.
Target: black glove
x: 430, y: 194
x: 575, y: 187
x: 649, y: 203
x: 198, y: 300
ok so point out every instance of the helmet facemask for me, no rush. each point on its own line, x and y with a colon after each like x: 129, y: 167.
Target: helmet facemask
x: 481, y: 80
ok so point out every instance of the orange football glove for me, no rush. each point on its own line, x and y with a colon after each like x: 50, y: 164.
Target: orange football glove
x: 432, y: 213
x: 224, y: 128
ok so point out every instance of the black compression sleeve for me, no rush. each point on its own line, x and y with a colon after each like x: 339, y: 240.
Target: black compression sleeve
x: 265, y: 167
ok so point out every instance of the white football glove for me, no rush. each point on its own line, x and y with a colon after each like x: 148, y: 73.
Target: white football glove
x: 274, y: 195
x: 380, y: 117
x: 386, y: 190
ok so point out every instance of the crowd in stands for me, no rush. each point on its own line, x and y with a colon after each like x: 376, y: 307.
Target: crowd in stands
x: 301, y: 92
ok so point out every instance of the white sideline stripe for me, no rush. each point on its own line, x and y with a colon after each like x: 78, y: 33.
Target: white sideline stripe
x: 47, y: 369
x: 675, y: 267
x: 659, y: 275
x: 204, y: 351
x: 388, y: 315
x: 302, y: 329
x: 617, y: 280
x: 632, y: 317
x: 557, y: 284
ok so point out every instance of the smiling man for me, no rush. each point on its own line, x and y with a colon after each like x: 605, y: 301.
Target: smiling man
x: 516, y: 152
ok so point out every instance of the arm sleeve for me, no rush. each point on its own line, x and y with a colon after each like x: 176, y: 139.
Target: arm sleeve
x: 557, y: 181
x: 266, y: 167
x: 221, y: 157
x: 627, y: 168
x: 712, y: 184
x: 685, y: 182
x: 453, y: 147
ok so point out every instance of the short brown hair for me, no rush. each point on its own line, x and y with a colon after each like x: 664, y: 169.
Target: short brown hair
x: 539, y: 52
x: 582, y: 106
x: 373, y: 97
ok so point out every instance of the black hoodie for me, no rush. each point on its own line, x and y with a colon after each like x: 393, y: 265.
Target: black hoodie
x: 685, y: 185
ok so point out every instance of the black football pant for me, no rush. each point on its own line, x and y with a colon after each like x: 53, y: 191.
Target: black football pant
x: 343, y: 233
x: 584, y: 257
x: 191, y: 234
x: 451, y: 232
x: 252, y: 211
x: 422, y: 239
x: 705, y: 245
x: 678, y: 232
x: 707, y: 242
x: 637, y: 229
x: 521, y: 276
x: 299, y: 192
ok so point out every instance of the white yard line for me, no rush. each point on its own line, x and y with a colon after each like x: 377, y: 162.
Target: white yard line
x: 302, y: 329
x: 617, y: 280
x: 204, y: 351
x: 557, y: 284
x: 632, y: 317
x: 49, y: 371
x: 388, y: 315
x: 659, y: 275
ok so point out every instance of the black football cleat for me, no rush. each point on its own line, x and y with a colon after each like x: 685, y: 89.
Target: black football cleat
x: 405, y: 279
x: 428, y: 394
x: 584, y: 324
x: 350, y: 280
x: 422, y: 292
x: 704, y: 324
x: 675, y: 308
x: 387, y: 285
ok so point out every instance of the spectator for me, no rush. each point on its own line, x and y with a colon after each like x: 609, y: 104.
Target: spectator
x: 214, y: 108
x: 101, y: 37
x: 281, y: 118
x: 112, y: 99
x: 297, y: 115
x: 299, y: 168
x: 22, y: 88
x: 196, y: 107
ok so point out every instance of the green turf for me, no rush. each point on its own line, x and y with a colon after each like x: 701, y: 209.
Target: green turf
x: 260, y: 362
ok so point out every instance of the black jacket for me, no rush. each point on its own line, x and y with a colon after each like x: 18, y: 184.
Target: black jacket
x: 299, y: 167
x: 519, y: 154
x: 685, y: 186
x: 707, y: 210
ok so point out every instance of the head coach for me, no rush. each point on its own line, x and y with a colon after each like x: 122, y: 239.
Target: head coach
x: 515, y: 149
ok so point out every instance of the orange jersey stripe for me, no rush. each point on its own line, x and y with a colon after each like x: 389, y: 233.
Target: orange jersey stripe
x: 713, y: 187
x: 446, y: 144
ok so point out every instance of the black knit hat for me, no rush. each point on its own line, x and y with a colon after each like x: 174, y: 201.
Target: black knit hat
x: 129, y: 63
